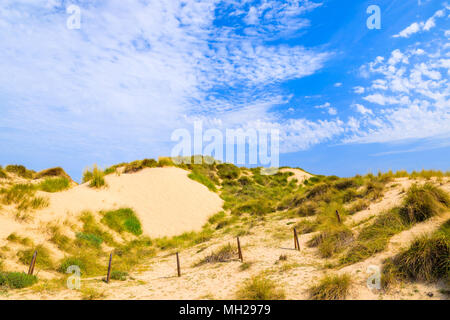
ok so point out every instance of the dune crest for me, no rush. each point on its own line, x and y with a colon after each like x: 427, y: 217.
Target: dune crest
x: 166, y: 201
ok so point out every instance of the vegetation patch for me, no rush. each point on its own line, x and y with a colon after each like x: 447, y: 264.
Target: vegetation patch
x: 427, y: 259
x: 20, y: 170
x: 197, y: 176
x: 119, y: 275
x: 52, y: 172
x: 261, y: 288
x: 333, y: 240
x: 334, y: 287
x: 89, y: 238
x: 123, y: 220
x: 54, y: 184
x: 223, y: 254
x: 43, y: 259
x: 17, y: 280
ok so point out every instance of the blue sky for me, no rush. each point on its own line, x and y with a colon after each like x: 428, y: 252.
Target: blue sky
x: 346, y: 99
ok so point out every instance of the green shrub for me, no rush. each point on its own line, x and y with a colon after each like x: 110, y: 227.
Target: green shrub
x: 123, y: 220
x: 197, y: 176
x: 3, y: 174
x: 54, y: 184
x: 20, y: 170
x: 52, y: 172
x: 333, y: 239
x: 331, y: 288
x: 119, y: 275
x: 423, y: 202
x: 165, y: 162
x: 72, y: 261
x: 43, y: 259
x: 17, y: 280
x: 98, y: 178
x: 228, y: 171
x: 91, y: 239
x: 260, y: 288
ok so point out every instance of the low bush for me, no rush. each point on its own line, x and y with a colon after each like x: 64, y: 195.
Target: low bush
x: 123, y: 220
x: 331, y: 288
x: 54, y: 184
x: 260, y: 288
x: 17, y: 280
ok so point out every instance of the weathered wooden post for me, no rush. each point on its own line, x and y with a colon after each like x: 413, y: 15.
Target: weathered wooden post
x: 297, y: 244
x: 108, y: 276
x: 338, y: 217
x: 33, y: 262
x: 178, y: 265
x: 239, y: 250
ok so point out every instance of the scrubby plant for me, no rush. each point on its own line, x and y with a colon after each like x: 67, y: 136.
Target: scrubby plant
x: 260, y: 288
x: 123, y: 220
x: 54, y: 184
x: 52, y: 172
x: 426, y: 259
x: 333, y: 239
x: 357, y: 206
x: 423, y: 202
x: 165, y: 162
x: 3, y: 174
x: 20, y: 170
x: 13, y: 237
x: 223, y: 254
x: 90, y: 239
x: 72, y: 261
x: 119, y: 275
x: 197, y: 176
x: 228, y: 171
x: 43, y: 259
x: 98, y: 178
x: 335, y: 287
x: 17, y: 280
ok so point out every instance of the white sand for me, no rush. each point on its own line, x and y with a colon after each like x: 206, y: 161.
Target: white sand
x: 300, y: 175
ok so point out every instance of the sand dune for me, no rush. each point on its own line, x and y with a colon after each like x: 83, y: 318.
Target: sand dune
x: 165, y: 199
x: 300, y: 175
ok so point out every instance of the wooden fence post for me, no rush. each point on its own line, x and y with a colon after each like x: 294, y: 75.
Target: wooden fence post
x: 33, y: 262
x: 108, y: 276
x: 297, y: 244
x: 338, y: 216
x: 239, y: 250
x: 178, y: 265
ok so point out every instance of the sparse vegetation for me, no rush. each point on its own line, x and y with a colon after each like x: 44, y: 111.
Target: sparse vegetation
x: 335, y: 287
x: 223, y: 254
x: 260, y: 288
x: 197, y: 176
x: 43, y: 260
x: 119, y: 275
x: 20, y: 170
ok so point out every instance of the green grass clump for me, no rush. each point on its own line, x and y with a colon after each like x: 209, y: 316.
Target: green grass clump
x: 17, y: 193
x: 426, y: 259
x: 186, y: 239
x: 98, y: 178
x: 423, y: 202
x: 197, y: 176
x: 223, y: 254
x: 54, y: 184
x: 17, y: 280
x: 90, y: 239
x: 123, y: 220
x: 375, y: 237
x: 260, y: 288
x: 91, y: 226
x: 127, y: 256
x: 52, y: 172
x: 13, y: 237
x: 228, y: 171
x: 119, y: 275
x: 3, y: 174
x: 331, y: 288
x: 332, y: 240
x: 72, y: 261
x: 20, y: 170
x: 43, y: 259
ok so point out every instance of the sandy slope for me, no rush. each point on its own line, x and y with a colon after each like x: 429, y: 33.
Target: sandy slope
x: 165, y: 199
x: 300, y: 175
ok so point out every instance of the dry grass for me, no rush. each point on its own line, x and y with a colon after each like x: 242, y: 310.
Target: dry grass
x: 331, y: 288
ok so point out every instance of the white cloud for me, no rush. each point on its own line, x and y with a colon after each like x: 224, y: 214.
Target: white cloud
x: 141, y: 69
x: 416, y: 27
x: 338, y: 84
x: 361, y: 109
x: 358, y: 89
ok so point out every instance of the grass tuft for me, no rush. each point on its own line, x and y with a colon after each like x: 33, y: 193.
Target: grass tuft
x: 331, y: 288
x: 260, y: 288
x: 123, y: 220
x: 54, y: 184
x: 17, y: 280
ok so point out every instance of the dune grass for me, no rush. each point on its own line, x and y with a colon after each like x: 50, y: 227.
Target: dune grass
x: 223, y: 254
x: 3, y: 174
x: 54, y: 184
x: 197, y: 176
x: 123, y: 220
x: 426, y: 259
x: 13, y: 237
x: 17, y: 280
x: 20, y: 170
x: 260, y: 288
x: 90, y: 239
x: 421, y: 203
x: 52, y: 173
x: 335, y: 287
x: 43, y: 260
